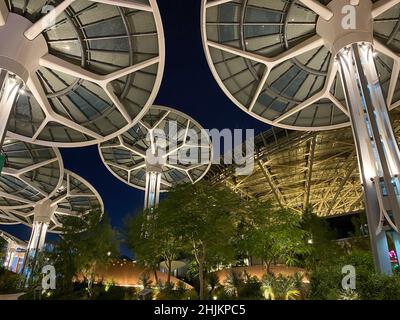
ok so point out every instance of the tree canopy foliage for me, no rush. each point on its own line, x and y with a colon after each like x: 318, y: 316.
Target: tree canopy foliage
x: 78, y: 254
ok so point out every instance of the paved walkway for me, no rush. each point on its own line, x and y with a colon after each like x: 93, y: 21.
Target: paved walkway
x: 10, y: 296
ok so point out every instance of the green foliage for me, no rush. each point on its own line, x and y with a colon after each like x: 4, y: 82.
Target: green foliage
x: 360, y: 223
x: 325, y: 281
x: 273, y: 235
x: 280, y: 287
x: 212, y: 281
x: 80, y: 253
x: 152, y: 241
x: 145, y: 280
x: 250, y: 289
x: 202, y: 217
x: 9, y: 281
x: 176, y: 292
x: 322, y: 250
x: 3, y: 246
x: 79, y: 292
x: 233, y: 282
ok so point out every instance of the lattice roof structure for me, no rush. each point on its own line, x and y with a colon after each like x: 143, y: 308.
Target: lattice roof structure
x: 268, y: 59
x: 292, y: 167
x: 125, y: 156
x: 31, y: 174
x: 75, y: 197
x: 89, y: 69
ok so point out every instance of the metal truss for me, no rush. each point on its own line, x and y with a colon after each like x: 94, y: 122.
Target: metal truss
x: 294, y: 168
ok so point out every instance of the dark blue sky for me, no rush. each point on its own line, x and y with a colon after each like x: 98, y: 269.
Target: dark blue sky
x: 188, y: 86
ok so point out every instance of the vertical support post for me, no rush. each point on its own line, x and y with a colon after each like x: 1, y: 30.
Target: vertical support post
x: 43, y: 214
x: 35, y: 246
x: 153, y: 184
x: 9, y: 86
x: 377, y: 149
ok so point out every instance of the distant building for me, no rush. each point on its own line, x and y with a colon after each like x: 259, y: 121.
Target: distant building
x: 15, y: 249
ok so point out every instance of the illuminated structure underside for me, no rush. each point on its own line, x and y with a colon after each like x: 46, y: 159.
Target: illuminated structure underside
x: 77, y: 72
x: 315, y: 65
x: 133, y: 157
x: 294, y: 168
x: 75, y: 197
x: 14, y: 252
x: 31, y: 174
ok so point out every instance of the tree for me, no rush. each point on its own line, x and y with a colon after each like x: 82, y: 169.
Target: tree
x: 273, y: 235
x: 322, y: 248
x: 234, y: 280
x: 81, y: 253
x: 202, y: 217
x: 3, y: 244
x: 152, y: 242
x: 280, y: 287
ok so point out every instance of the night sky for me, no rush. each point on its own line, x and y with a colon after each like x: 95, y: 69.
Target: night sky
x: 187, y: 85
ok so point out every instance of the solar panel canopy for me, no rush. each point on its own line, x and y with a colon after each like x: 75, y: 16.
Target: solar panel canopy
x: 268, y: 59
x: 91, y: 69
x: 75, y: 197
x: 187, y: 149
x: 32, y: 173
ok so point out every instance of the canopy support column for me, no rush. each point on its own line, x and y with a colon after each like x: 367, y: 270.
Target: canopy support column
x: 9, y: 86
x: 153, y: 184
x: 377, y: 149
x: 43, y: 214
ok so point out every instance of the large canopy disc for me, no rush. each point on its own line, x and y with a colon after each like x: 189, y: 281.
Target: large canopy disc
x: 90, y: 68
x: 274, y: 60
x: 32, y: 173
x: 127, y: 156
x: 75, y: 197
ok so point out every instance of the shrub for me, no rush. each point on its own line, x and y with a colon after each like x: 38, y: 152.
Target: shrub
x: 326, y: 281
x: 9, y: 282
x: 251, y: 289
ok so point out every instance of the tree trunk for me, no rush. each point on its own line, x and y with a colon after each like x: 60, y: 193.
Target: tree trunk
x: 201, y: 278
x: 155, y: 275
x: 89, y: 285
x: 169, y: 271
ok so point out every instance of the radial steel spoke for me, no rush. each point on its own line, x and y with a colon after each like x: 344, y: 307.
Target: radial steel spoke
x: 382, y: 6
x: 318, y: 8
x: 307, y: 45
x: 15, y: 198
x: 117, y: 103
x: 259, y: 89
x: 37, y: 166
x: 214, y: 3
x: 47, y: 21
x: 104, y: 81
x: 324, y: 93
x: 37, y: 91
x: 378, y: 46
x: 126, y: 4
x: 29, y: 183
x: 3, y: 13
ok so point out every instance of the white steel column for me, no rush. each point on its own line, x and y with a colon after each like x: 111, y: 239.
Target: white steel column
x: 3, y: 13
x: 43, y: 214
x: 377, y: 149
x: 153, y: 184
x: 9, y: 86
